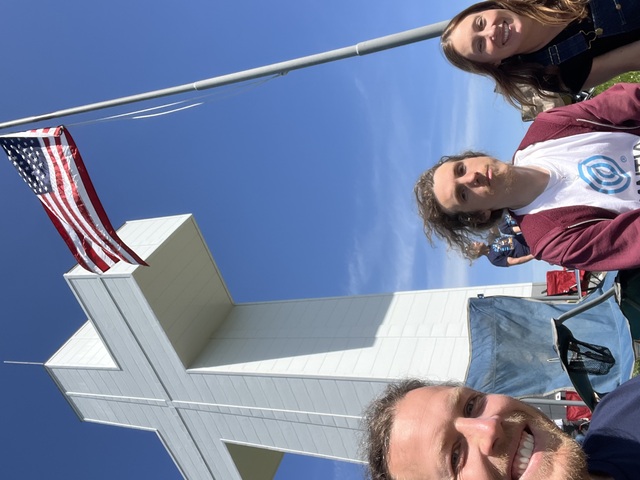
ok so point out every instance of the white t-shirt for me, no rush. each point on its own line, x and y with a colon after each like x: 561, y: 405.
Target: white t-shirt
x: 596, y: 169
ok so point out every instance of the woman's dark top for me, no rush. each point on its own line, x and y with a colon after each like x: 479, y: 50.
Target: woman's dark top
x: 572, y: 73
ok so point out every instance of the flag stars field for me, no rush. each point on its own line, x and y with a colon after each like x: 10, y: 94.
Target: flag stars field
x: 31, y: 167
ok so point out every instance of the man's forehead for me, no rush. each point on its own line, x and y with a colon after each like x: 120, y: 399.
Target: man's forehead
x: 444, y: 185
x: 423, y: 417
x: 438, y: 396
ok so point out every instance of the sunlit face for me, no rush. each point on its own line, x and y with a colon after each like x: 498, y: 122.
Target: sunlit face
x: 489, y: 36
x: 472, y: 185
x: 458, y: 433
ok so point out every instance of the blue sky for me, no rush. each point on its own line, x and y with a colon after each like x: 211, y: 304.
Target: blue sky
x: 302, y: 186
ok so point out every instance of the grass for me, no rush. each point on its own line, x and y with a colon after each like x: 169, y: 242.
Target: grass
x: 629, y: 77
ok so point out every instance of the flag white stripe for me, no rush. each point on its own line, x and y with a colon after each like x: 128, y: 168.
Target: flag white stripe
x: 71, y: 234
x: 64, y: 195
x: 113, y: 246
x: 75, y: 238
x: 78, y: 220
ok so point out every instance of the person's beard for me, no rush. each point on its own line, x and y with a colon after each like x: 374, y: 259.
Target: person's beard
x: 563, y: 459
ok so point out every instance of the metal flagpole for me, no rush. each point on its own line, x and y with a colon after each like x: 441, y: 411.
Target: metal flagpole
x: 360, y: 49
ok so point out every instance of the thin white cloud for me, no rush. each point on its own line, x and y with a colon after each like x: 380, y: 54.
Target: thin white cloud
x: 465, y: 129
x: 383, y: 254
x: 454, y: 270
x: 388, y: 235
x: 389, y: 251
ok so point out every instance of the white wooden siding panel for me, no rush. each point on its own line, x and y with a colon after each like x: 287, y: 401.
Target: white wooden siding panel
x: 401, y: 309
x: 319, y: 395
x: 152, y: 339
x: 84, y: 348
x: 213, y: 450
x: 378, y: 359
x: 403, y: 365
x: 111, y: 325
x: 185, y: 291
x: 283, y: 436
x: 460, y: 360
x: 295, y: 354
x: 443, y: 354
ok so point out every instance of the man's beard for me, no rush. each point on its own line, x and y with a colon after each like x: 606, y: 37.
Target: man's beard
x: 563, y: 459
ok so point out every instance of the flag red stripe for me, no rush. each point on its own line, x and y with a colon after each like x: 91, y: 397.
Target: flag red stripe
x: 100, y: 216
x: 90, y: 205
x: 76, y: 241
x: 73, y: 246
x: 53, y: 206
x: 62, y: 203
x: 70, y: 200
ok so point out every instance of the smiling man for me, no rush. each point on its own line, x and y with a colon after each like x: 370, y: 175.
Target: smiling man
x: 573, y: 186
x: 421, y: 431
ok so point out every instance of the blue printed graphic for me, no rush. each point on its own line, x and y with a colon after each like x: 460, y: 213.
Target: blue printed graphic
x: 502, y: 244
x: 604, y: 175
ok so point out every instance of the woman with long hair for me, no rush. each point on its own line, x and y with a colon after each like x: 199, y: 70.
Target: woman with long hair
x: 560, y: 46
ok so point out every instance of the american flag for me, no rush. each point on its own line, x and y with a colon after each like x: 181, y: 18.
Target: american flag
x: 50, y: 163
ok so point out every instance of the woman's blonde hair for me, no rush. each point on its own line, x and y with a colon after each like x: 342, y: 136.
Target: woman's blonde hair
x: 512, y: 73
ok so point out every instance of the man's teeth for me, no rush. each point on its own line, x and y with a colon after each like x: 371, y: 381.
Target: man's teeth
x: 524, y: 453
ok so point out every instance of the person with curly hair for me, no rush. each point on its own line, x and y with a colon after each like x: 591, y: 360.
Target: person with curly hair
x: 573, y: 187
x: 420, y: 430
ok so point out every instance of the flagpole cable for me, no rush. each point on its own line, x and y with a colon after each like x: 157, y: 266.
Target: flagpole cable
x: 133, y: 115
x: 281, y: 68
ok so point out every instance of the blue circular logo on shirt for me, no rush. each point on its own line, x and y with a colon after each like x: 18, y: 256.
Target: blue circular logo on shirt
x: 604, y: 175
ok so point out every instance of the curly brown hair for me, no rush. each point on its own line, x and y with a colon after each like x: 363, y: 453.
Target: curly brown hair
x: 513, y: 73
x: 458, y: 230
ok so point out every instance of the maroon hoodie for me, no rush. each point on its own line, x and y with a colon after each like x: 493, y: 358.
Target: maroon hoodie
x: 583, y: 237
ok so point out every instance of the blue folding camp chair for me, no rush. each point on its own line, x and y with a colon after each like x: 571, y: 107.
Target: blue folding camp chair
x: 515, y: 351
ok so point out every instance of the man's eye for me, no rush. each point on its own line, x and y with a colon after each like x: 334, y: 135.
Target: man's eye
x: 480, y: 46
x: 455, y: 459
x: 468, y: 408
x: 460, y: 169
x: 472, y: 406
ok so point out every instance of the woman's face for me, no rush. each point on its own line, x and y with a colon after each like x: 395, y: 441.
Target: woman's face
x: 489, y: 36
